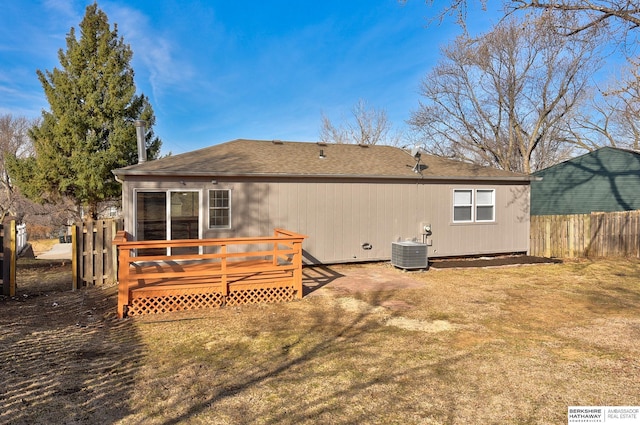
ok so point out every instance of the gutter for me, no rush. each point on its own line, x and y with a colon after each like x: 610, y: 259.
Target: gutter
x: 524, y: 178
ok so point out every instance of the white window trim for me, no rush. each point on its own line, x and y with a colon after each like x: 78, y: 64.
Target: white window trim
x: 167, y: 192
x: 492, y: 205
x: 474, y: 205
x: 229, y: 226
x: 200, y: 215
x: 135, y: 206
x: 471, y: 205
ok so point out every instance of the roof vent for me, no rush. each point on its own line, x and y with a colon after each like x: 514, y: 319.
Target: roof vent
x: 322, y: 156
x: 277, y: 142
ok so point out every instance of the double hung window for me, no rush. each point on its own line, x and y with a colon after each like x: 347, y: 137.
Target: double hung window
x: 474, y: 205
x: 220, y: 209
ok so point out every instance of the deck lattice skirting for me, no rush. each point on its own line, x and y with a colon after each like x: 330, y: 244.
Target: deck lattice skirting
x: 207, y: 273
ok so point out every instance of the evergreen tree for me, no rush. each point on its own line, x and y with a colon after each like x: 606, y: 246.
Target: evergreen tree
x: 89, y: 129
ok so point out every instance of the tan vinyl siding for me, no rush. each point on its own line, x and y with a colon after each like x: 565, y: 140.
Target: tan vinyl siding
x: 355, y: 195
x: 340, y: 216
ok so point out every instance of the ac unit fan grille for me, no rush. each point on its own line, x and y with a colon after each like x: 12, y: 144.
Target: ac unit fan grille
x: 409, y: 255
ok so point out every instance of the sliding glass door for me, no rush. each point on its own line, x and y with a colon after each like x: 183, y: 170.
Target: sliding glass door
x: 168, y: 215
x: 184, y: 219
x: 151, y: 220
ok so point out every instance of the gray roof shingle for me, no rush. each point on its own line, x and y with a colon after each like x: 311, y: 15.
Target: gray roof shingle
x: 302, y: 159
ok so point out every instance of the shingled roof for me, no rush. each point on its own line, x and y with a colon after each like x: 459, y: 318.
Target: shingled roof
x: 300, y: 159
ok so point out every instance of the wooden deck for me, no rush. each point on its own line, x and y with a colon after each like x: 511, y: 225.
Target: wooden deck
x: 223, y: 272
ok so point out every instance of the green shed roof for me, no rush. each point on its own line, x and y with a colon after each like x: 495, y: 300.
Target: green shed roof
x: 604, y: 180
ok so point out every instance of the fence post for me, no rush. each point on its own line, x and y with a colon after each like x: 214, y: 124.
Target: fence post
x: 74, y: 257
x: 9, y: 256
x: 547, y: 238
x: 114, y: 253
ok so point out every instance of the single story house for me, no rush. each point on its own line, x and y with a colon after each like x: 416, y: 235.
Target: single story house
x: 605, y: 180
x: 352, y: 201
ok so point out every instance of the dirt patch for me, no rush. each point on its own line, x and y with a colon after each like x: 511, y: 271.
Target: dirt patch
x: 420, y: 325
x: 497, y: 261
x: 384, y: 315
x: 65, y: 356
x: 396, y: 305
x: 354, y: 278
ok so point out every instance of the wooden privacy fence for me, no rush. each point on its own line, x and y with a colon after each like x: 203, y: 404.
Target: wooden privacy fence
x: 166, y: 276
x: 94, y: 256
x: 614, y: 234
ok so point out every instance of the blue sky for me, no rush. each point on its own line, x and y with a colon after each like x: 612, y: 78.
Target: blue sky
x: 221, y: 70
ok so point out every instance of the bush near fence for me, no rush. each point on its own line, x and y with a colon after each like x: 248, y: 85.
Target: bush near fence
x: 611, y: 234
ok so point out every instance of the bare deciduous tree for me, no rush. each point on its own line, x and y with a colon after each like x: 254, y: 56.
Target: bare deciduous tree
x: 619, y: 15
x: 585, y: 14
x: 369, y: 126
x: 455, y: 8
x: 504, y: 99
x: 612, y: 116
x: 14, y: 141
x: 43, y: 220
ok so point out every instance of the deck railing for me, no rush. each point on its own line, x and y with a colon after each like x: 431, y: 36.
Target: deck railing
x: 169, y: 275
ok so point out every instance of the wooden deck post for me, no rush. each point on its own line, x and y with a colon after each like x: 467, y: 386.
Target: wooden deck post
x: 275, y: 248
x: 124, y: 254
x: 297, y: 271
x: 223, y: 270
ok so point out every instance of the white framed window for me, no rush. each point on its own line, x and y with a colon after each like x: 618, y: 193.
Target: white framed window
x: 220, y: 209
x: 462, y: 206
x: 485, y: 205
x: 471, y: 205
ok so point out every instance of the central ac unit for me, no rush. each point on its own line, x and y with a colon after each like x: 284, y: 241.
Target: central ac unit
x: 409, y: 255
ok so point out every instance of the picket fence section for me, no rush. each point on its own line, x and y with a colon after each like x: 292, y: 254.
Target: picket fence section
x: 95, y: 258
x: 613, y: 234
x: 21, y: 236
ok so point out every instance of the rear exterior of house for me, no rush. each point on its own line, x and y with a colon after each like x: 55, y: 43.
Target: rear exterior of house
x: 604, y: 180
x: 351, y: 201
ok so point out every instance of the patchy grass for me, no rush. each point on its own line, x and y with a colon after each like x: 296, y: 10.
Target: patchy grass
x: 492, y: 346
